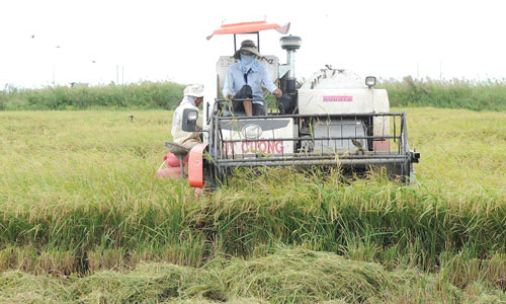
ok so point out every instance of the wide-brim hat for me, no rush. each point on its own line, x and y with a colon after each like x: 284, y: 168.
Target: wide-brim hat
x: 249, y: 46
x: 196, y: 90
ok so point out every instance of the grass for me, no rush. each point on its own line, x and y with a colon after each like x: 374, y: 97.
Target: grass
x: 457, y: 94
x: 78, y: 197
x: 454, y: 94
x: 284, y: 276
x: 145, y: 95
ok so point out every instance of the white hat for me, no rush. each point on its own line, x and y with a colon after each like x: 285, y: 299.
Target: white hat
x: 196, y: 90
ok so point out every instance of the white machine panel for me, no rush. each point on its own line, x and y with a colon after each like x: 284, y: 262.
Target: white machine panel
x: 258, y: 136
x: 347, y: 101
x: 342, y: 101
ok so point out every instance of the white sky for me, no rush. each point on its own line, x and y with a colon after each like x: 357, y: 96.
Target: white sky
x: 165, y: 40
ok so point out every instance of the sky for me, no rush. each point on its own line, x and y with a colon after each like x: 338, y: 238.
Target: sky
x: 99, y: 42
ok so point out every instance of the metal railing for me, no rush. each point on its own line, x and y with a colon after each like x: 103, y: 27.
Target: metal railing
x: 323, y: 150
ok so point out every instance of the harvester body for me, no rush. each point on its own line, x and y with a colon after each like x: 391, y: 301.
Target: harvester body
x: 334, y: 119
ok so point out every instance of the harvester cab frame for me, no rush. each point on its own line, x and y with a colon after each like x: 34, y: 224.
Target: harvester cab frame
x: 334, y: 119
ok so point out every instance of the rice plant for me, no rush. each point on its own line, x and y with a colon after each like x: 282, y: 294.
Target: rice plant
x: 78, y: 198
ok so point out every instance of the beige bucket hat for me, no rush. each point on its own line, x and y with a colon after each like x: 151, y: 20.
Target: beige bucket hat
x: 196, y: 90
x: 247, y: 45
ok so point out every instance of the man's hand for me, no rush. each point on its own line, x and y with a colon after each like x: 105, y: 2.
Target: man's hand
x: 229, y: 97
x: 277, y: 93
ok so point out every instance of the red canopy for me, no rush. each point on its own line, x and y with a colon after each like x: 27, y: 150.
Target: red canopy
x: 249, y: 27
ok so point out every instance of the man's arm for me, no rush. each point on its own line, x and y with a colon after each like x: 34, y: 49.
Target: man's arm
x: 228, y: 85
x: 200, y: 121
x: 269, y: 85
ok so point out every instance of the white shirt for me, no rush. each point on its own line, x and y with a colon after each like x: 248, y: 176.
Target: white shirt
x: 187, y: 139
x: 235, y: 81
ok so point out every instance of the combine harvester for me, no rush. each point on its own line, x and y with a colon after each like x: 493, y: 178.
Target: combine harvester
x: 334, y: 119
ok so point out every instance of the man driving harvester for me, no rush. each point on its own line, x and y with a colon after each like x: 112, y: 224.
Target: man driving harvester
x: 244, y: 80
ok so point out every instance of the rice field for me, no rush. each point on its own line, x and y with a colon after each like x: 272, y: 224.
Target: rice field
x: 82, y: 220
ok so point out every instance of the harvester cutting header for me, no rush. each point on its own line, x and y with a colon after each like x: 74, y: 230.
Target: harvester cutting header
x: 335, y: 118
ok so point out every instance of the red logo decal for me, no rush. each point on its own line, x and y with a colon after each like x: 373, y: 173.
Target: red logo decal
x: 265, y: 146
x: 337, y: 98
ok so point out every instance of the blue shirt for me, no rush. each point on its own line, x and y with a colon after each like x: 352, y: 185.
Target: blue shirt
x: 235, y: 81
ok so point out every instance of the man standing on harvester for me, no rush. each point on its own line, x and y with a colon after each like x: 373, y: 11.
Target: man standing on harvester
x: 183, y: 141
x: 244, y: 80
x: 193, y: 97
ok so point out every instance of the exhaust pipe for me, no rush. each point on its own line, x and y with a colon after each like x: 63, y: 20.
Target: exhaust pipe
x: 287, y: 102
